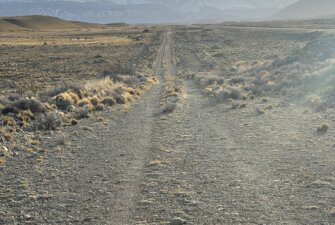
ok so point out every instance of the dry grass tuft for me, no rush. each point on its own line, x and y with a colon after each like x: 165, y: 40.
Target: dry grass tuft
x: 99, y: 107
x: 7, y: 136
x: 47, y: 107
x: 226, y: 93
x: 172, y: 93
x: 87, y: 104
x: 122, y: 99
x: 155, y: 163
x: 95, y: 100
x: 2, y: 161
x: 102, y: 87
x: 64, y: 100
x: 48, y: 121
x: 26, y: 116
x: 7, y: 121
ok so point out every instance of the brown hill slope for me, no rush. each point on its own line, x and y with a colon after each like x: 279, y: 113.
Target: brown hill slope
x: 6, y: 26
x: 43, y: 23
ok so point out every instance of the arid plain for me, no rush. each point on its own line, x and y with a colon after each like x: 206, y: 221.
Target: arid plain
x: 227, y: 123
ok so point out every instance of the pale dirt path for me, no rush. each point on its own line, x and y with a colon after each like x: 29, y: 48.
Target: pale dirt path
x: 205, y: 163
x: 94, y: 179
x: 214, y: 165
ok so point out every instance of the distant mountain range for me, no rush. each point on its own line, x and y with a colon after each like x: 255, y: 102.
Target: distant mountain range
x: 145, y: 11
x: 308, y: 9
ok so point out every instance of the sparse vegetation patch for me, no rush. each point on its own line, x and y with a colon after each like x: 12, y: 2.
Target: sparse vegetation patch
x: 74, y: 78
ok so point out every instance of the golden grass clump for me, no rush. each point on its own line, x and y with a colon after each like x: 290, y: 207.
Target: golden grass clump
x: 47, y: 107
x: 6, y: 135
x: 84, y: 102
x: 2, y: 161
x: 7, y: 121
x: 95, y: 100
x: 173, y: 89
x: 87, y: 104
x: 66, y: 99
x: 26, y: 116
x: 132, y: 91
x: 101, y: 87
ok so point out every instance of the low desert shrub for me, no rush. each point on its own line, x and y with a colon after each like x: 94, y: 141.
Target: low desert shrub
x: 99, y: 107
x: 225, y: 93
x: 120, y: 99
x: 26, y: 116
x: 33, y: 105
x: 48, y: 121
x: 206, y: 81
x: 13, y: 97
x: 45, y: 96
x: 9, y: 109
x: 102, y: 87
x: 109, y: 101
x: 236, y: 80
x: 85, y: 103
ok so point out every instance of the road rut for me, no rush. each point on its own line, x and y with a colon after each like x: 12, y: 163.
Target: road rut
x: 205, y: 163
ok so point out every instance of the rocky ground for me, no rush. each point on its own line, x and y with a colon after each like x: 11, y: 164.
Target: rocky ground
x: 210, y: 160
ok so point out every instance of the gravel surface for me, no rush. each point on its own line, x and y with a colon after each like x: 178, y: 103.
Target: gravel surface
x: 205, y: 163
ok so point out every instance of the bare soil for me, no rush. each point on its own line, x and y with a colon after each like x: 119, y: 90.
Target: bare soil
x: 207, y: 162
x: 37, y: 61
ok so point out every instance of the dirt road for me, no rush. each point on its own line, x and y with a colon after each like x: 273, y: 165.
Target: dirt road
x: 205, y: 163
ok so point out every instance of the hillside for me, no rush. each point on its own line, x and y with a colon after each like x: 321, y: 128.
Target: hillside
x: 145, y: 11
x: 42, y: 23
x: 94, y: 12
x: 7, y: 26
x: 307, y: 9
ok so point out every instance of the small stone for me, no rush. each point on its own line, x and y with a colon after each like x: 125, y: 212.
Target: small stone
x: 145, y: 202
x: 71, y: 108
x: 177, y: 221
x: 44, y: 197
x: 28, y: 217
x: 4, y: 151
x: 86, y: 220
